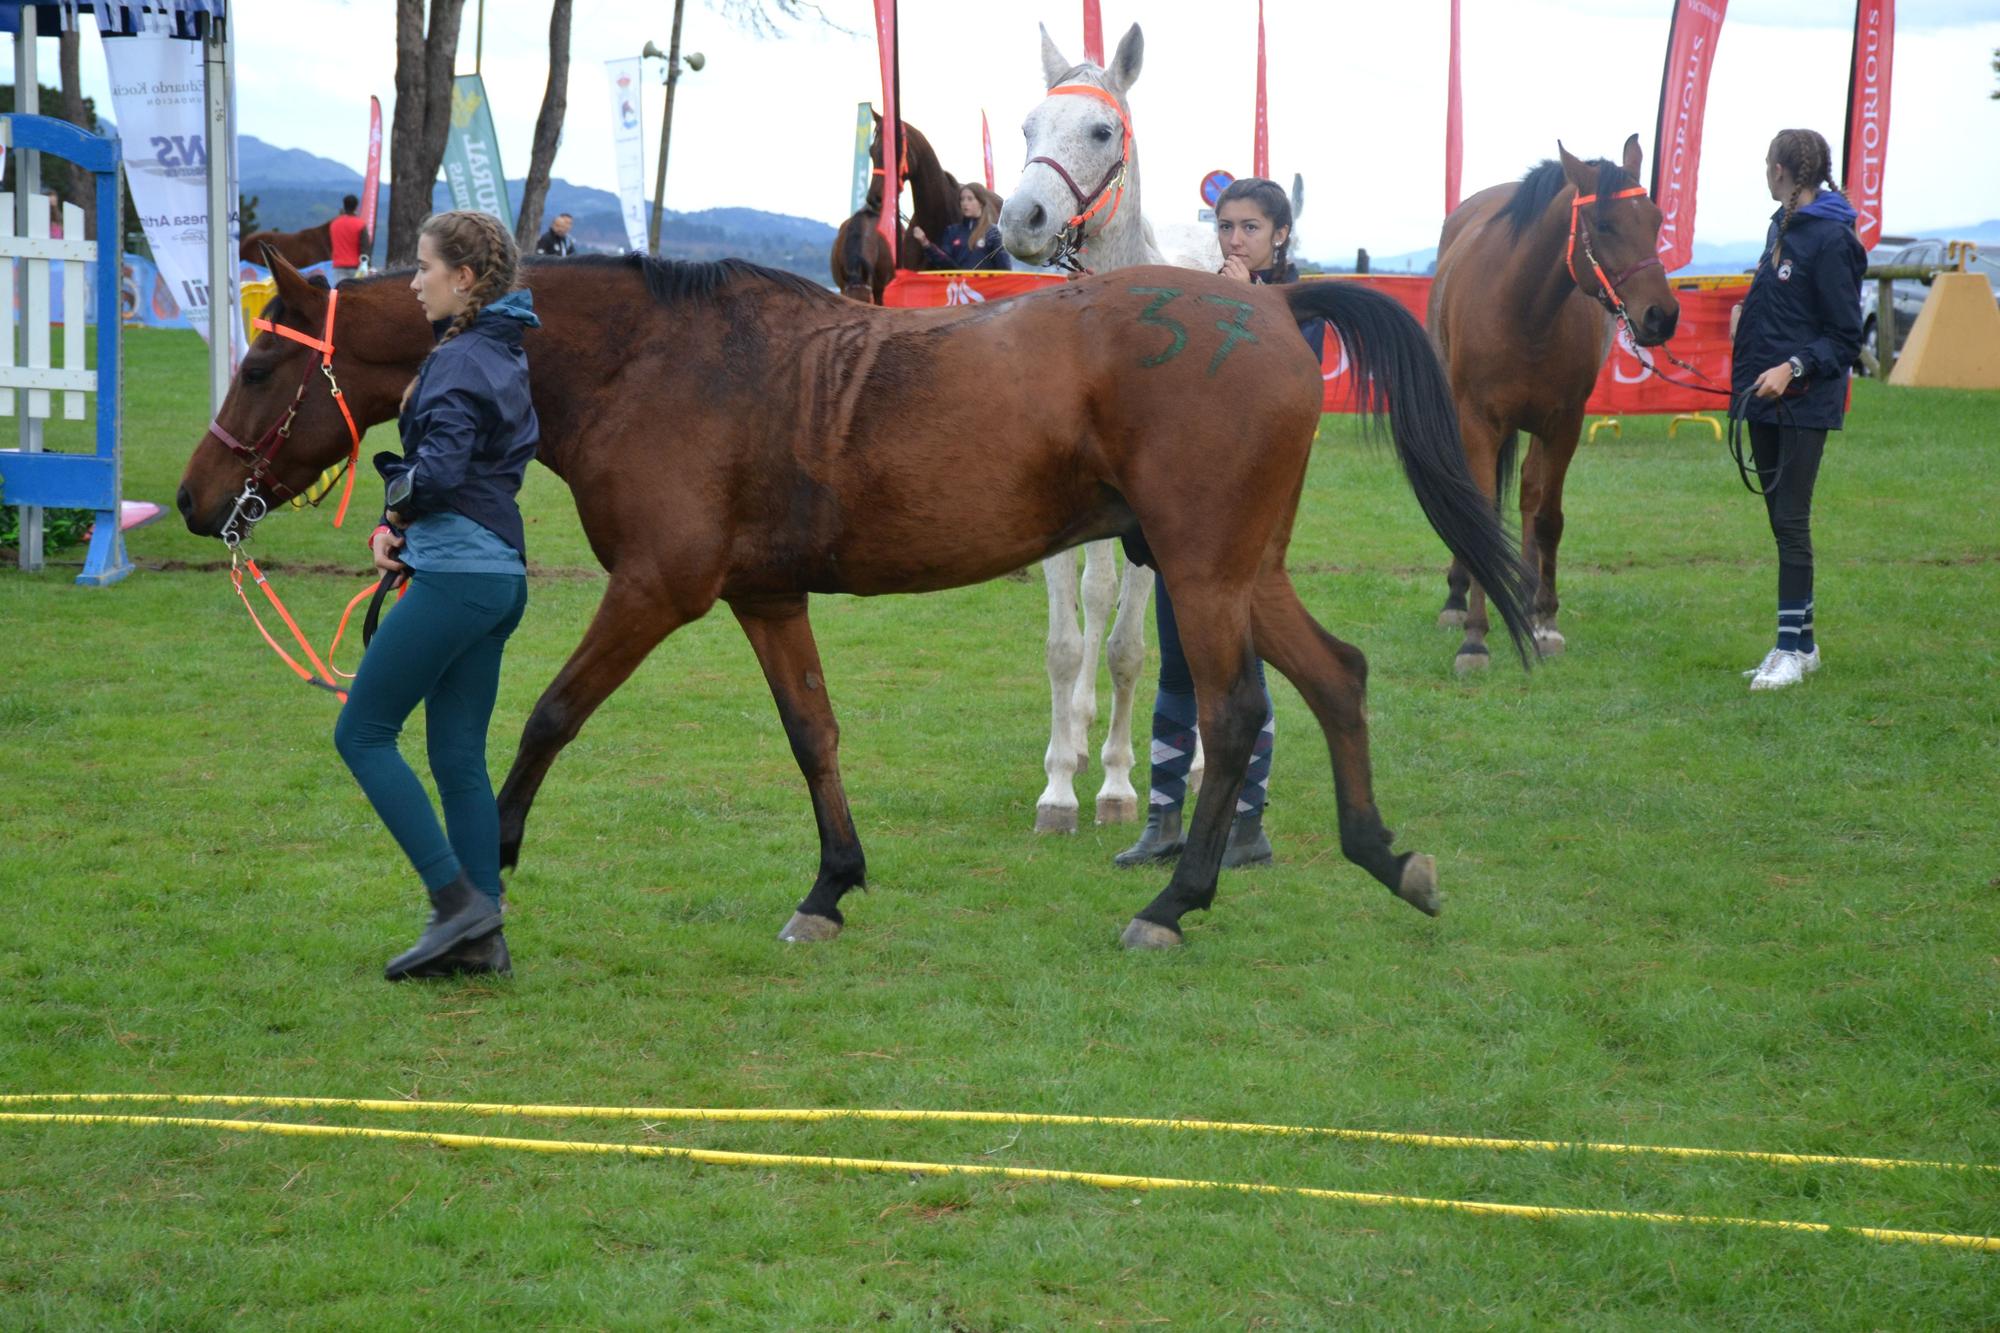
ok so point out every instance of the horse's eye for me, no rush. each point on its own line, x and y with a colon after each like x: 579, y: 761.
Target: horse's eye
x: 256, y: 374
x: 1103, y: 134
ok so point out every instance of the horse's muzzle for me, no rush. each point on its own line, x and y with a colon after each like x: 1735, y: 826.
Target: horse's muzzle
x: 1657, y: 325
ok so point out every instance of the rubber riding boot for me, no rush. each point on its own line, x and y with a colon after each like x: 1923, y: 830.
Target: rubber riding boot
x: 1247, y: 844
x: 487, y: 954
x: 1161, y: 841
x: 459, y: 912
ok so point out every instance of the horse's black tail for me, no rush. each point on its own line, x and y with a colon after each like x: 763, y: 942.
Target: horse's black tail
x: 1397, y: 372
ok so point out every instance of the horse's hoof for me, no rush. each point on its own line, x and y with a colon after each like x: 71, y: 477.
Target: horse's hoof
x: 1419, y: 886
x: 807, y: 929
x: 1117, y: 809
x: 1149, y: 935
x: 1451, y: 619
x: 1055, y: 819
x: 1549, y: 640
x: 1466, y: 663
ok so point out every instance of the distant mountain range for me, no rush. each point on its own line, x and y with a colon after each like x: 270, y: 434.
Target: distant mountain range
x: 295, y: 189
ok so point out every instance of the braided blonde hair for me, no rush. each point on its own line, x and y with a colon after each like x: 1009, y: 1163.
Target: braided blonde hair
x: 1808, y: 159
x: 468, y: 239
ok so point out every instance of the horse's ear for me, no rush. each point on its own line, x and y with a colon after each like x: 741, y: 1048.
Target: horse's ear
x: 1124, y: 71
x: 293, y: 289
x: 1633, y: 158
x: 1054, y: 66
x: 1574, y: 171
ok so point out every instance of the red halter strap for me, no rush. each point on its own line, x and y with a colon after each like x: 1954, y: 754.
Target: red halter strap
x: 1607, y: 288
x: 260, y: 455
x: 1070, y: 241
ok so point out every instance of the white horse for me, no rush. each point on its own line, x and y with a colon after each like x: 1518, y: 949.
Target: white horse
x: 1078, y: 204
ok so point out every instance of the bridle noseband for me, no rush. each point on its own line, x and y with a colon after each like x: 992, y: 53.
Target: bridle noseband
x: 1070, y: 239
x: 259, y: 456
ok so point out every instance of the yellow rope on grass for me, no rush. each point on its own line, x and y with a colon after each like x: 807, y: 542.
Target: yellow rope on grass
x: 816, y: 1115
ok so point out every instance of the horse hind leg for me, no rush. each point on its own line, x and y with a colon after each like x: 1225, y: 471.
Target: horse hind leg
x: 1125, y: 651
x: 1333, y: 678
x: 630, y: 622
x: 782, y: 637
x: 1055, y: 810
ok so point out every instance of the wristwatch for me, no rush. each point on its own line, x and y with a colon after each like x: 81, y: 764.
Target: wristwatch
x: 1798, y: 366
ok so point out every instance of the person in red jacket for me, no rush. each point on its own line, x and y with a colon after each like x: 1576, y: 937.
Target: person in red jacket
x: 350, y: 238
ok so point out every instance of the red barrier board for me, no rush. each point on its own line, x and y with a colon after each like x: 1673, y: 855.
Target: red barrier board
x: 1624, y: 386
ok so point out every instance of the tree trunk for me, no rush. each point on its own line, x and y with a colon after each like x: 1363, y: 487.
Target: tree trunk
x: 424, y: 62
x: 548, y: 128
x: 82, y: 184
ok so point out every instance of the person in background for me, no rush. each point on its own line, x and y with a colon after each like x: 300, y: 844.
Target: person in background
x: 974, y: 241
x: 1253, y: 226
x: 349, y: 236
x: 556, y: 241
x: 1797, y: 332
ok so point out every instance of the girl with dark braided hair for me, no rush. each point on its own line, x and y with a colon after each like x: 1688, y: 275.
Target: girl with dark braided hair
x: 451, y: 522
x: 1798, y: 332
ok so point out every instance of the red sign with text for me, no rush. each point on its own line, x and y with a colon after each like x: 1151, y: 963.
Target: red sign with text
x: 1691, y: 42
x: 1868, y: 114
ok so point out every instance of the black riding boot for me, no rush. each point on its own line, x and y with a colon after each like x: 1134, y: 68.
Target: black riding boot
x: 487, y: 954
x: 459, y: 913
x: 1247, y: 844
x: 1162, y: 840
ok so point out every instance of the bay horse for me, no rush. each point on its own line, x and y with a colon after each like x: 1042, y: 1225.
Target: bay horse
x: 1531, y: 279
x: 861, y: 259
x: 731, y: 433
x: 302, y: 249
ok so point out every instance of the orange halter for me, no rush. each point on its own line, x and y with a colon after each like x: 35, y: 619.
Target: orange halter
x: 1069, y: 241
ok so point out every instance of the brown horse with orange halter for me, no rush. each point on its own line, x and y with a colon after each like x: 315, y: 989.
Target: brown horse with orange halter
x: 735, y: 434
x: 1533, y: 279
x: 861, y: 261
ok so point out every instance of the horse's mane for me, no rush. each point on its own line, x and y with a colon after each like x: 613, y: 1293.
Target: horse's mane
x: 1545, y: 181
x: 672, y: 281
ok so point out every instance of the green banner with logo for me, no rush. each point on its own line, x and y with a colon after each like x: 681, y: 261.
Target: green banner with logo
x: 472, y: 153
x: 864, y: 163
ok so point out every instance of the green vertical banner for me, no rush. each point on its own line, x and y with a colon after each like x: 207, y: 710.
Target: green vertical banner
x: 864, y: 165
x: 472, y: 153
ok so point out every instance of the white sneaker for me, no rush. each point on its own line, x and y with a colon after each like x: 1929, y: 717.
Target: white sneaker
x: 1780, y: 671
x: 1809, y: 661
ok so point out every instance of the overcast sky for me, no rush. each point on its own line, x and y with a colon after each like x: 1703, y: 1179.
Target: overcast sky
x: 1357, y: 97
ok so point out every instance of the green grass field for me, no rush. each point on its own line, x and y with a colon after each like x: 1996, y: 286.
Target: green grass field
x: 1677, y: 914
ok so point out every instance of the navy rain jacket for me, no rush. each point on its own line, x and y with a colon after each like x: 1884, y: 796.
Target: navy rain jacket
x: 1806, y: 305
x: 469, y: 428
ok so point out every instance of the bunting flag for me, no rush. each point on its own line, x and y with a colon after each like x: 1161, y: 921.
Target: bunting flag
x: 1260, y: 149
x: 892, y: 127
x: 1454, y: 121
x: 372, y: 184
x: 986, y: 141
x: 1691, y: 39
x: 1867, y: 147
x: 1093, y: 33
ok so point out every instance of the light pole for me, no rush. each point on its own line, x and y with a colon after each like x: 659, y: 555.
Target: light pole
x: 672, y: 56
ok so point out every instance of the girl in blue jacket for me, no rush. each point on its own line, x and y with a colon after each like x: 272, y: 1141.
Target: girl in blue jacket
x: 1799, y: 331
x: 469, y: 432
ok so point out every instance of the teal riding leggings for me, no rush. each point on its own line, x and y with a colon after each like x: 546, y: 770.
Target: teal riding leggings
x: 440, y: 647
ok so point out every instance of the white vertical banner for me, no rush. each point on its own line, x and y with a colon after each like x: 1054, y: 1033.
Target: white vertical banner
x: 628, y: 141
x: 157, y: 95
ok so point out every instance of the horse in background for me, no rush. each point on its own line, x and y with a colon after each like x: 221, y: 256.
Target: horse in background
x: 861, y: 260
x: 1076, y: 140
x: 301, y: 249
x: 1533, y: 278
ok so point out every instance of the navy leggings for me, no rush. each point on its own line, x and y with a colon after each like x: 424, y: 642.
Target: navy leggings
x: 1174, y: 718
x: 440, y: 647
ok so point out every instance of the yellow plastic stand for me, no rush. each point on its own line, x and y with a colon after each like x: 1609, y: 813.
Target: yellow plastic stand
x: 1955, y: 343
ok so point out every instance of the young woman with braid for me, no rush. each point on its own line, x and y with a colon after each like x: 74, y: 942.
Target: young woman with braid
x: 469, y: 432
x: 1253, y: 225
x: 1798, y: 331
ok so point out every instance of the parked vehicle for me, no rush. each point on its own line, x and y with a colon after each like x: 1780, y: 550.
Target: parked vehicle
x: 1909, y: 293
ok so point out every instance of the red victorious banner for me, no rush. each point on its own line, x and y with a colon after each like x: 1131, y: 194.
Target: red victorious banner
x: 1697, y: 26
x: 372, y: 183
x: 986, y: 141
x: 1624, y: 386
x: 1867, y: 148
x: 1260, y: 150
x: 892, y: 125
x: 1454, y: 121
x: 1093, y: 33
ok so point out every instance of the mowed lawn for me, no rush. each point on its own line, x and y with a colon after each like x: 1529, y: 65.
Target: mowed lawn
x: 1676, y: 913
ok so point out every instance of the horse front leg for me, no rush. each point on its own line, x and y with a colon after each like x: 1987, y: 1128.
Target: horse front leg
x: 630, y: 622
x: 1100, y: 588
x: 1055, y: 811
x: 1544, y: 524
x: 781, y: 636
x: 1118, y: 799
x: 1485, y: 445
